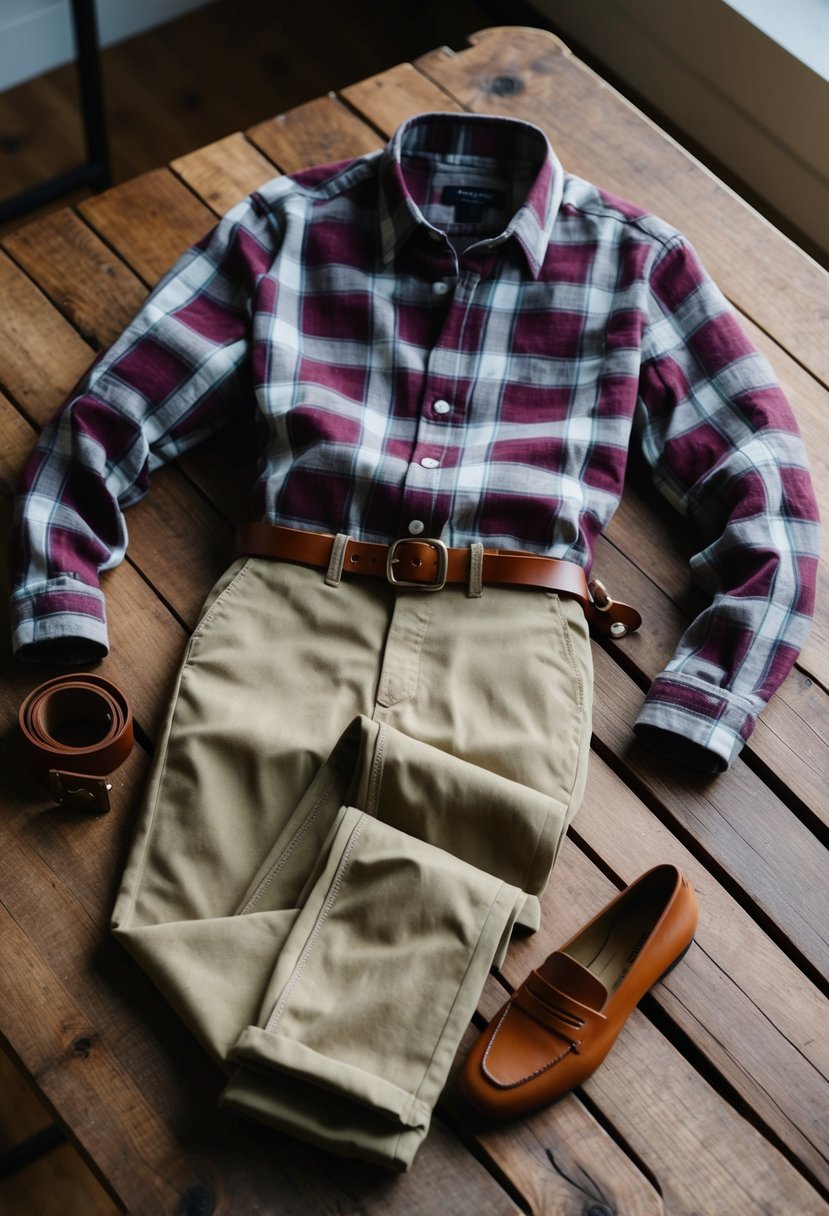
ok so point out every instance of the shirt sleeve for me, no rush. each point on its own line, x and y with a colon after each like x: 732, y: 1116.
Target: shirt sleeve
x: 723, y: 445
x: 175, y: 375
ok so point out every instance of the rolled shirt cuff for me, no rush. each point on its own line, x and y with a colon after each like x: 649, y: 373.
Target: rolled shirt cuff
x: 684, y: 716
x: 61, y: 620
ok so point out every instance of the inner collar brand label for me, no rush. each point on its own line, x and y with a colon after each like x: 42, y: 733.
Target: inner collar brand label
x: 470, y: 202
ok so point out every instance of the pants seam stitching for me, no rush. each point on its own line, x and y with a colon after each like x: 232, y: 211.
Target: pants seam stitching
x: 377, y: 766
x: 472, y: 955
x: 285, y: 854
x: 308, y: 948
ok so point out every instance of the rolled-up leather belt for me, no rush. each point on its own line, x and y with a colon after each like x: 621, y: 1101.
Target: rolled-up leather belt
x: 77, y: 730
x: 427, y: 564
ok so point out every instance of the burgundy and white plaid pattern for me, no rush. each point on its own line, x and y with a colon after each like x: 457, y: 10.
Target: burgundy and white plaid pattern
x: 453, y: 338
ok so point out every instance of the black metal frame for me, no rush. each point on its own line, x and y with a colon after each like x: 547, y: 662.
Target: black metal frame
x: 30, y: 1150
x: 95, y: 170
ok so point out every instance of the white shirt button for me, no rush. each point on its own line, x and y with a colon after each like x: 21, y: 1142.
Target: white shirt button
x: 442, y: 407
x: 440, y: 288
x: 416, y: 527
x: 429, y: 462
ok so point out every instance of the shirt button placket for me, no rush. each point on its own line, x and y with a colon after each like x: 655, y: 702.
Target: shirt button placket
x: 435, y: 408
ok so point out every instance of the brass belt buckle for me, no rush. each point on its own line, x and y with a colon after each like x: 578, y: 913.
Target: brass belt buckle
x: 79, y: 791
x: 443, y: 563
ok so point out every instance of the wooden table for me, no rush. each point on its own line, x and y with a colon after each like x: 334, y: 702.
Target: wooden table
x: 715, y: 1098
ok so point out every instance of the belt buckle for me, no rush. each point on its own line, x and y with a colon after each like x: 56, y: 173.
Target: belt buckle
x: 79, y: 791
x: 443, y: 563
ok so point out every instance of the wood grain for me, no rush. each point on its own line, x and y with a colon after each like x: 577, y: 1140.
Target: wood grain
x: 316, y: 133
x: 26, y: 317
x: 561, y: 1161
x: 389, y: 98
x: 141, y: 215
x: 224, y: 172
x: 78, y: 273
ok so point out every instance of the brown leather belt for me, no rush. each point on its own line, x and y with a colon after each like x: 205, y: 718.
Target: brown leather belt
x: 77, y: 728
x: 426, y: 564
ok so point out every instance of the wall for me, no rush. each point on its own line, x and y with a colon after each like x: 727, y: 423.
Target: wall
x: 731, y: 87
x: 36, y: 35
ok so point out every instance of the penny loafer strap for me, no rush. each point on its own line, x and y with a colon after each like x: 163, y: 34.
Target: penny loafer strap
x: 556, y: 1011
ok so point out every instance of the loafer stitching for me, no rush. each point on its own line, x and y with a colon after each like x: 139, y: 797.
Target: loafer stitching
x: 573, y: 1045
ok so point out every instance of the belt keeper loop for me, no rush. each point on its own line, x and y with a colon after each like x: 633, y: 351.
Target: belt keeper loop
x: 475, y: 588
x: 334, y: 573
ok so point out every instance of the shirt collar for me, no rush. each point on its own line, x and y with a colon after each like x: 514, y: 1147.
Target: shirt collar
x: 491, y: 138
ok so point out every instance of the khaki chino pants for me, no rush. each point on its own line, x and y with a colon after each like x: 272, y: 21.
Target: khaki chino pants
x: 358, y: 793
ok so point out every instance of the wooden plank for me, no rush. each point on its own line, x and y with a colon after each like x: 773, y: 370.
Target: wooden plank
x: 600, y: 136
x: 154, y: 217
x: 736, y: 820
x: 703, y: 1155
x: 26, y: 318
x: 18, y: 439
x: 181, y: 543
x: 390, y: 97
x: 314, y: 133
x: 709, y: 1159
x: 224, y: 172
x: 79, y: 274
x: 557, y: 1161
x: 89, y: 1091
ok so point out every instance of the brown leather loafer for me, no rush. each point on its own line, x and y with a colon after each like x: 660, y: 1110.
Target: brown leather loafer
x: 561, y: 1022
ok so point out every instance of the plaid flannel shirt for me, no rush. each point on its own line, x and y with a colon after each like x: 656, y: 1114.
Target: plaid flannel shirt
x: 455, y: 338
